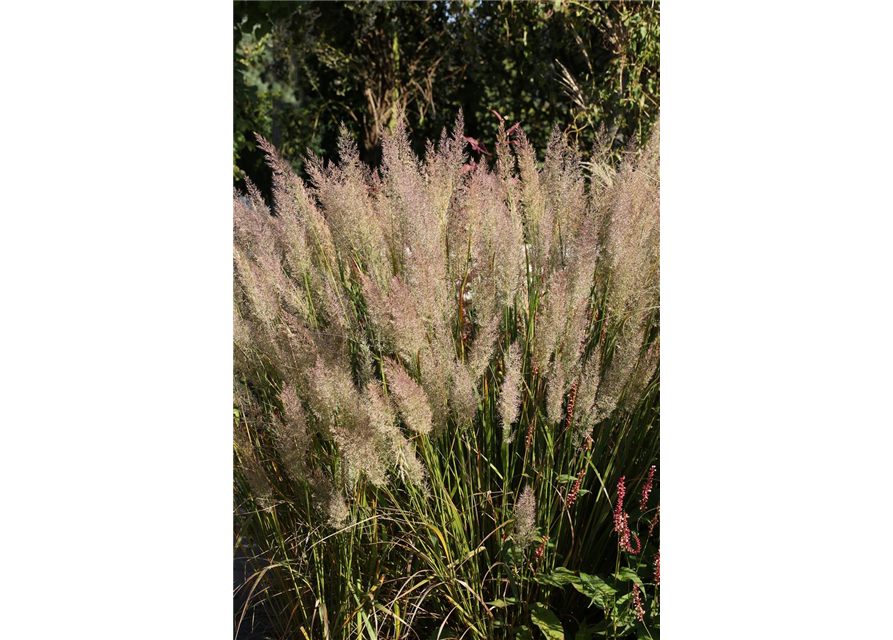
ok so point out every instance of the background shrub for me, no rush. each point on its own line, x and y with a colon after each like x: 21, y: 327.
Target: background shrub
x: 301, y: 69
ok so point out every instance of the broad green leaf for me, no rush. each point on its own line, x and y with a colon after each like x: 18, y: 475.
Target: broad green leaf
x: 523, y: 633
x: 622, y: 613
x: 558, y: 578
x: 583, y: 633
x: 547, y: 622
x: 626, y: 574
x: 589, y: 631
x: 595, y: 588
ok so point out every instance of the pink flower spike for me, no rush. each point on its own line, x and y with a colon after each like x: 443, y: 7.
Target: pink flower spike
x: 637, y: 603
x: 646, y: 490
x: 618, y: 509
x: 654, y: 522
x: 638, y: 545
x: 575, y: 490
x: 539, y: 550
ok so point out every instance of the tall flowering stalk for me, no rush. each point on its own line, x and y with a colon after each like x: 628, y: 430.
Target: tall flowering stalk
x: 637, y: 603
x: 646, y: 490
x: 621, y: 518
x: 395, y: 330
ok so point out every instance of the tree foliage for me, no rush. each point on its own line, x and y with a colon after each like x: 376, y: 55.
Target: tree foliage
x: 301, y: 69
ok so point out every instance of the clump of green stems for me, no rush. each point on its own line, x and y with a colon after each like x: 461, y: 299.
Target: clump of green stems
x: 414, y: 347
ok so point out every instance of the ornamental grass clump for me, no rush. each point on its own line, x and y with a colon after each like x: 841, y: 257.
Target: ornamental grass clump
x: 440, y: 367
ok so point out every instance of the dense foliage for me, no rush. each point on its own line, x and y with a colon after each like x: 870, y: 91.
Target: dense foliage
x: 301, y: 69
x: 446, y: 384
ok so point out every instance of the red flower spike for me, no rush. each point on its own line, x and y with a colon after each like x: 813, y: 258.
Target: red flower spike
x: 638, y: 548
x: 540, y: 549
x: 646, y: 490
x: 654, y: 522
x: 637, y: 603
x: 572, y: 496
x: 570, y: 405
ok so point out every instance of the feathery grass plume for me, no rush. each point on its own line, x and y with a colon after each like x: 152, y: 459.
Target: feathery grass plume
x: 378, y: 408
x: 332, y: 394
x: 368, y: 310
x: 584, y: 254
x: 567, y: 366
x: 410, y: 397
x: 510, y: 394
x: 494, y: 235
x: 299, y: 216
x: 632, y: 243
x: 292, y: 439
x: 618, y: 372
x: 345, y: 191
x: 505, y: 159
x: 437, y: 361
x: 384, y: 423
x: 525, y: 518
x: 254, y: 285
x: 253, y: 231
x: 293, y: 412
x: 365, y: 451
x: 556, y: 386
x: 336, y: 404
x: 565, y: 190
x: 463, y: 395
x: 394, y: 316
x: 551, y: 319
x: 443, y: 168
x: 339, y: 513
x: 291, y: 199
x: 642, y: 377
x: 421, y: 236
x: 481, y: 349
x: 328, y: 499
x: 585, y: 406
x: 538, y: 217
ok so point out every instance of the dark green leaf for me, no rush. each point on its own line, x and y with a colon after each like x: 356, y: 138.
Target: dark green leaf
x: 547, y: 622
x: 626, y: 574
x: 595, y: 588
x: 558, y: 578
x: 603, y: 628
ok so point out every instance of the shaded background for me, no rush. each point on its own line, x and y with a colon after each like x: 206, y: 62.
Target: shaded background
x: 302, y: 68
